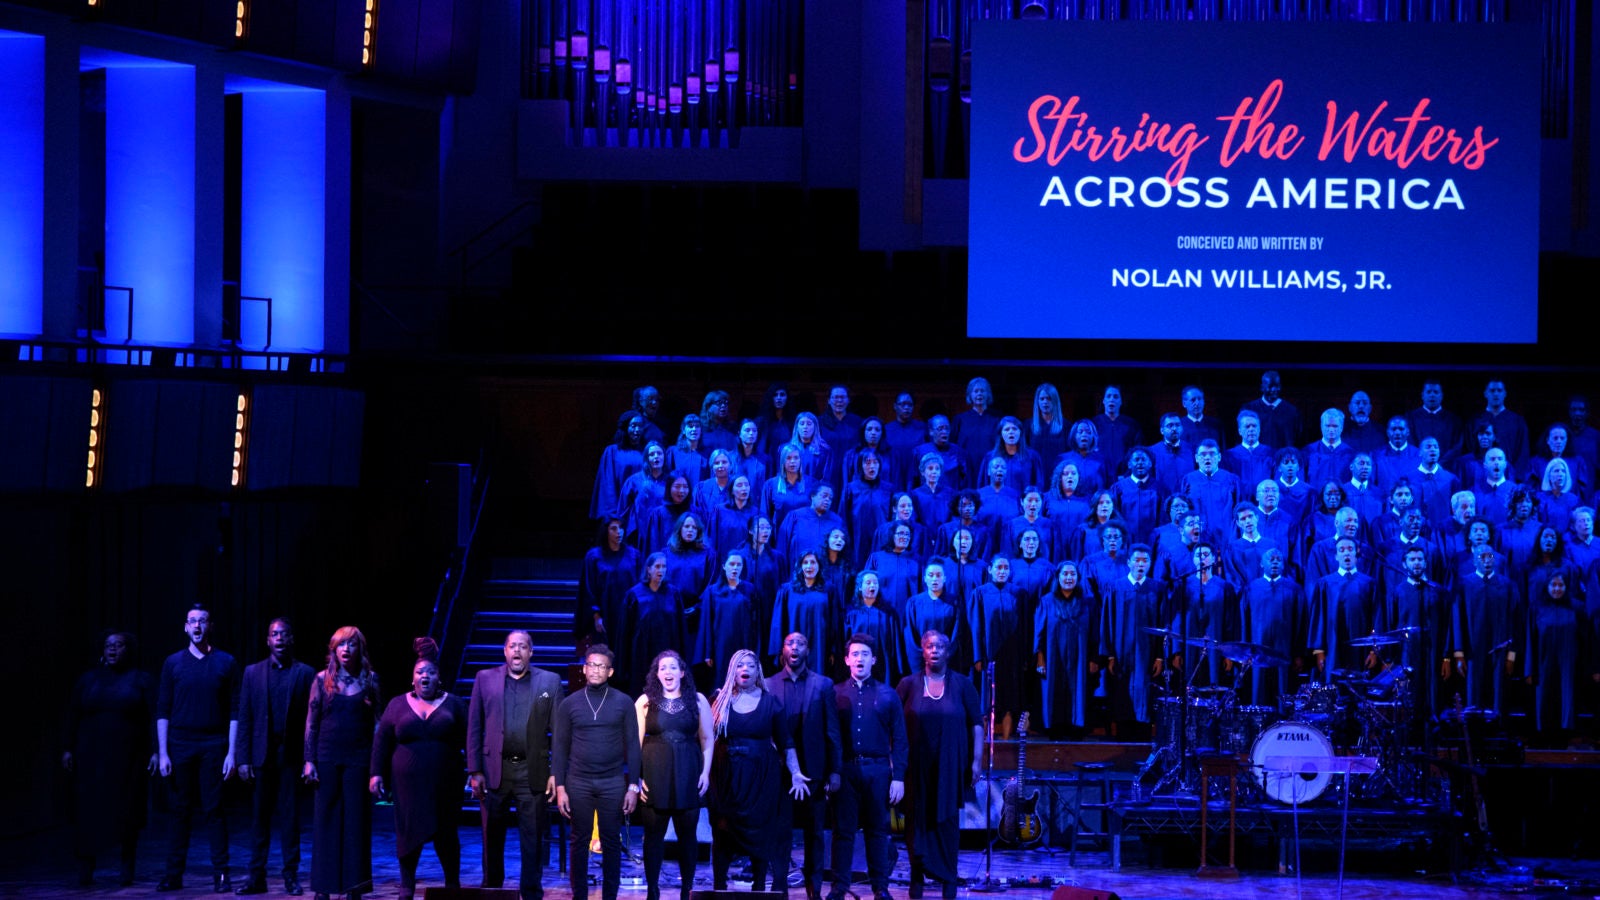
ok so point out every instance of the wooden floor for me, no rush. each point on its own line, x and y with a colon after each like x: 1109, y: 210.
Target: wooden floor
x: 37, y: 865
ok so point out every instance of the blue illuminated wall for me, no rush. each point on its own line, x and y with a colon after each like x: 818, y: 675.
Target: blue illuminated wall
x: 150, y: 201
x: 282, y: 217
x: 21, y: 184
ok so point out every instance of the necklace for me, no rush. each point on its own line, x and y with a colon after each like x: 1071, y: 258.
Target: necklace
x: 593, y: 709
x: 927, y: 687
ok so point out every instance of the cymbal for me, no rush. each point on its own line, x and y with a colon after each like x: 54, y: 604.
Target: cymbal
x: 1404, y: 631
x: 1374, y: 640
x: 1202, y: 642
x: 1251, y: 654
x: 1163, y: 632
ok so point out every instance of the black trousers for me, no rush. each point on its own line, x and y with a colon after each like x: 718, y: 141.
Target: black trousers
x: 277, y: 793
x: 496, y: 811
x: 341, y: 831
x: 196, y: 783
x: 684, y: 822
x: 810, y: 815
x: 588, y: 797
x: 862, y: 803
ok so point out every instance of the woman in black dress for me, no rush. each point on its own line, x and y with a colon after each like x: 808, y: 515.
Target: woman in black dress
x: 676, y: 741
x: 944, y: 726
x: 417, y: 755
x: 109, y: 755
x: 747, y: 809
x: 339, y: 727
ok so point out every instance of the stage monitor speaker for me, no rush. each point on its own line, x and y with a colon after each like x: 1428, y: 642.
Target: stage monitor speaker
x: 1066, y: 892
x: 737, y: 895
x: 469, y: 893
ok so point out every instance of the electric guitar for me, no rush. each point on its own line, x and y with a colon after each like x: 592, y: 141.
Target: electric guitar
x: 1019, y: 824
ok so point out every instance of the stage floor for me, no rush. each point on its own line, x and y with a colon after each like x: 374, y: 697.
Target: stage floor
x: 1154, y: 868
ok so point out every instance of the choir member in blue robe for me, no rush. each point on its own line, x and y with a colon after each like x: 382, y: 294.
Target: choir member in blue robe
x: 935, y: 608
x: 1118, y: 433
x: 716, y: 423
x: 1555, y: 632
x: 1582, y: 440
x: 610, y: 569
x: 1129, y: 606
x: 964, y: 515
x: 1432, y: 486
x: 872, y: 440
x: 690, y: 565
x: 1277, y: 525
x: 1023, y: 467
x: 1410, y: 536
x: 1469, y: 467
x: 903, y: 433
x: 1415, y: 601
x: 1175, y: 509
x: 1319, y: 523
x: 750, y: 459
x: 807, y: 529
x: 1250, y: 459
x: 998, y: 503
x: 1279, y: 419
x: 716, y: 490
x: 1582, y: 547
x: 805, y: 605
x: 1241, y: 559
x: 1362, y: 493
x: 1479, y: 534
x: 646, y: 404
x: 1085, y: 537
x: 644, y: 490
x: 1136, y: 498
x: 1001, y: 635
x: 1197, y: 426
x: 1519, y: 536
x: 788, y: 490
x: 655, y: 621
x: 1047, y: 433
x: 1322, y: 557
x: 1386, y: 526
x: 1205, y: 605
x: 865, y: 505
x: 869, y: 616
x: 662, y: 521
x: 974, y: 430
x: 727, y: 618
x: 688, y: 455
x: 957, y: 470
x: 1109, y: 563
x: 1273, y: 613
x: 1344, y: 606
x: 617, y: 462
x: 1432, y: 420
x: 764, y: 568
x: 1557, y: 500
x: 837, y: 424
x: 964, y: 569
x: 1032, y: 517
x: 818, y: 459
x: 1549, y: 559
x: 1397, y: 457
x: 903, y: 511
x: 1095, y: 472
x: 1294, y: 493
x: 1065, y: 507
x: 838, y: 572
x: 1212, y: 492
x: 932, y: 497
x: 1361, y: 431
x: 1554, y: 445
x: 1174, y: 456
x: 1494, y: 490
x: 1175, y: 560
x: 730, y: 523
x: 899, y: 569
x: 1066, y: 635
x: 1511, y: 430
x: 1031, y: 571
x: 776, y: 423
x: 1488, y: 613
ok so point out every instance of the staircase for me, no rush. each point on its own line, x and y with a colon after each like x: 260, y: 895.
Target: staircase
x: 535, y: 595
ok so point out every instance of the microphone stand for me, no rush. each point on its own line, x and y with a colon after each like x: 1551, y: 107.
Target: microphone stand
x: 988, y: 884
x: 1183, y: 750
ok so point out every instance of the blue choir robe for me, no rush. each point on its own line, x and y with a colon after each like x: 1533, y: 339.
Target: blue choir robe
x: 962, y: 578
x: 1344, y: 607
x: 1510, y: 433
x: 944, y: 613
x: 775, y: 433
x: 1172, y: 463
x: 997, y: 507
x: 1432, y: 491
x: 730, y: 527
x: 957, y: 470
x: 840, y: 577
x: 899, y: 576
x: 1117, y: 437
x: 640, y: 494
x: 709, y: 497
x: 1214, y: 497
x: 1001, y: 633
x: 889, y: 665
x: 820, y: 462
x: 1394, y: 561
x: 804, y: 530
x: 1197, y: 430
x: 1321, y: 559
x: 1018, y: 525
x: 1032, y: 577
x: 690, y: 571
x: 1556, y: 510
x: 1252, y: 465
x: 883, y: 538
x: 1099, y: 569
x: 1488, y: 612
x: 1493, y: 501
x: 1583, y: 556
x: 1065, y: 515
x: 982, y: 539
x: 1581, y: 480
x: 1274, y: 613
x: 752, y: 467
x: 903, y: 439
x: 864, y: 507
x: 617, y: 463
x: 658, y: 526
x: 603, y: 584
x: 814, y: 612
x: 1241, y: 559
x: 1212, y: 608
x: 1023, y: 469
x: 1441, y: 424
x: 841, y: 432
x: 689, y: 461
x: 1280, y: 422
x: 766, y: 572
x: 1389, y: 465
x: 1048, y: 445
x: 1553, y: 645
x: 933, y: 509
x: 716, y: 436
x: 727, y: 625
x: 779, y: 497
x: 1066, y: 633
x: 655, y: 622
x: 1365, y: 437
x: 1084, y: 540
x: 1296, y: 500
x: 1280, y: 528
x: 974, y: 433
x: 1519, y: 542
x: 1424, y: 605
x: 1462, y: 565
x: 1173, y: 562
x: 1094, y: 471
x: 890, y: 473
x: 1139, y: 505
x: 1126, y: 610
x: 1366, y: 499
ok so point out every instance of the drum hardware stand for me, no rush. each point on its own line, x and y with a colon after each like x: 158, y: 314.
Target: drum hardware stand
x: 1178, y: 762
x: 989, y: 884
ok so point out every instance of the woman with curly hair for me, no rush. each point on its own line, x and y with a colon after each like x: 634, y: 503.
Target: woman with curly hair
x: 340, y: 722
x: 676, y: 743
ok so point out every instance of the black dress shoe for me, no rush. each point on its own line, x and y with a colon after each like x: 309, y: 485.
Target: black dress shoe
x: 253, y: 885
x: 170, y: 883
x: 319, y: 896
x: 220, y: 884
x: 291, y: 885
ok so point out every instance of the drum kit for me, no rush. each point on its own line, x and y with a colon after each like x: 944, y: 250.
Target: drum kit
x: 1293, y: 748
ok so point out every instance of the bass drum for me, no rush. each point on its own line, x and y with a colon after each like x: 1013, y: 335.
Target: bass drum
x: 1292, y: 761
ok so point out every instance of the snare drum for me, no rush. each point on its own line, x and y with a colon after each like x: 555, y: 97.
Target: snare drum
x: 1292, y: 762
x: 1317, y: 699
x: 1201, y: 724
x: 1242, y: 725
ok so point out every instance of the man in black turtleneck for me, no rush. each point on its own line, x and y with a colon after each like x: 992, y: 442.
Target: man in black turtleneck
x: 594, y: 758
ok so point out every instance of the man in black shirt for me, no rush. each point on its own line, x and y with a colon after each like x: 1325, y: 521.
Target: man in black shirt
x: 508, y: 760
x: 809, y: 706
x: 197, y: 725
x: 272, y: 727
x: 595, y: 762
x: 872, y: 736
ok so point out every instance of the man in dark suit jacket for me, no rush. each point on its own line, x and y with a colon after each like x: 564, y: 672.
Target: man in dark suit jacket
x: 272, y: 726
x: 808, y: 705
x: 508, y: 759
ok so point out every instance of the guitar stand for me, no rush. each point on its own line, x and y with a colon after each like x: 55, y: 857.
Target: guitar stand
x: 989, y: 884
